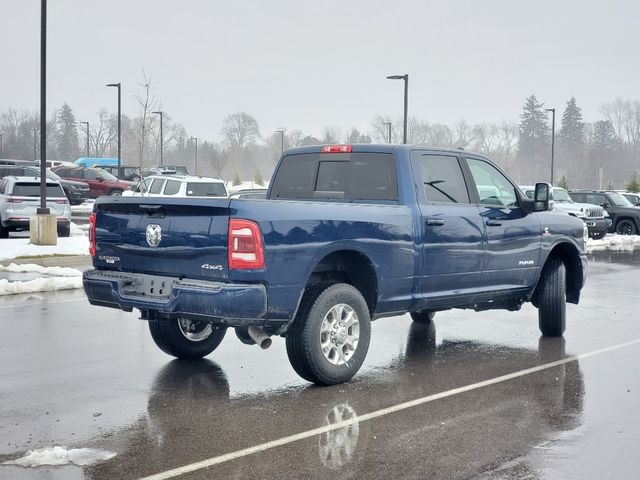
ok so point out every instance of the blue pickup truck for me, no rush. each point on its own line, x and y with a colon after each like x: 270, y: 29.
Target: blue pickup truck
x: 347, y: 234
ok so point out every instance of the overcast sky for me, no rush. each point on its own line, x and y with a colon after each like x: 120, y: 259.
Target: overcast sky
x: 302, y: 64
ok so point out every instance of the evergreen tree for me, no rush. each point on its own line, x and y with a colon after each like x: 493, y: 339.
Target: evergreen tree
x: 572, y: 129
x: 236, y: 180
x: 67, y: 145
x: 633, y: 185
x: 563, y: 183
x: 533, y: 143
x: 257, y: 179
x: 571, y: 143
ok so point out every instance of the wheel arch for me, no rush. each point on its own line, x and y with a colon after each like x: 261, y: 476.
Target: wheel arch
x: 570, y: 256
x: 634, y: 220
x: 347, y: 266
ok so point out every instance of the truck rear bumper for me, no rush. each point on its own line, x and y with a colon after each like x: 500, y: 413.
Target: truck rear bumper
x: 246, y: 303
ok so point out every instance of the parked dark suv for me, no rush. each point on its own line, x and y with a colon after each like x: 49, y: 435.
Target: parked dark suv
x: 624, y: 216
x: 130, y: 174
x: 76, y: 192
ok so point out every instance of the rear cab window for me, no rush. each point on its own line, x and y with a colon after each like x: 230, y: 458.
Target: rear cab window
x: 206, y: 189
x: 337, y: 176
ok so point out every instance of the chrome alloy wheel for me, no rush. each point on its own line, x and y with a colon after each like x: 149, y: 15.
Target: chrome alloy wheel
x: 339, y: 334
x: 193, y: 330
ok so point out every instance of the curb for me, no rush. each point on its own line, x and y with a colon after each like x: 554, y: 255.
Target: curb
x: 52, y: 261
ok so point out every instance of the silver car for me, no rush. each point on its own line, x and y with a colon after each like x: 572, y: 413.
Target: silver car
x: 20, y: 198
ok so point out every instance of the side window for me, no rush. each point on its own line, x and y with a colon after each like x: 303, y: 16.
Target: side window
x: 76, y: 173
x: 156, y: 186
x: 90, y: 175
x: 596, y: 199
x: 172, y: 187
x: 3, y: 184
x: 493, y: 187
x: 442, y: 178
x: 146, y: 185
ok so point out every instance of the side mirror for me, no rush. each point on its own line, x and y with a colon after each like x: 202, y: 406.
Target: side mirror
x: 604, y: 204
x: 541, y: 197
x: 100, y: 179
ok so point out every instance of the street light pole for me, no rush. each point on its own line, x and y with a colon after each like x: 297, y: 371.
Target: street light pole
x: 404, y: 77
x: 87, y: 124
x: 119, y: 86
x: 1, y: 146
x: 388, y: 124
x: 159, y: 112
x: 43, y: 210
x: 35, y: 144
x: 281, y: 132
x: 194, y: 139
x: 553, y: 137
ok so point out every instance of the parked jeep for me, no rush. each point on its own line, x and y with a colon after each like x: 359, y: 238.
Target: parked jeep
x: 625, y: 217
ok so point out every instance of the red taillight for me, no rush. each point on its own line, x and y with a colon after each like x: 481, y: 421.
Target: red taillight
x: 245, y: 249
x: 62, y: 201
x: 14, y: 200
x: 92, y: 234
x: 336, y: 149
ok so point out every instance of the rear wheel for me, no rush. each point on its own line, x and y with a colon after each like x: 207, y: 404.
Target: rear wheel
x: 626, y: 227
x: 4, y: 233
x: 423, y: 316
x: 329, y: 338
x: 184, y: 338
x: 64, y: 231
x: 115, y: 193
x: 551, y: 301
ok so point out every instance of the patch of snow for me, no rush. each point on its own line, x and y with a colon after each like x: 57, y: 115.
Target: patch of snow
x: 49, y: 284
x: 48, y: 271
x: 78, y: 230
x: 245, y: 186
x: 86, y: 207
x: 615, y: 243
x: 11, y: 248
x: 61, y: 456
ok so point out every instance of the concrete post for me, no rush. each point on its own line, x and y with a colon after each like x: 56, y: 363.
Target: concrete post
x: 43, y: 229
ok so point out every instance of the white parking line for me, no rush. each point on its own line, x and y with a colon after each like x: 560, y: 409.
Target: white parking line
x: 378, y: 413
x: 28, y: 303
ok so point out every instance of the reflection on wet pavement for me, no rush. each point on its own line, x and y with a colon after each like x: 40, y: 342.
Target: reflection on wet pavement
x: 191, y: 400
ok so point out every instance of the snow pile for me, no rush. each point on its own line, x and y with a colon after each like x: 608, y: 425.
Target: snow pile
x: 83, y: 208
x: 44, y: 284
x: 615, y: 243
x: 61, y: 456
x: 20, y: 247
x: 46, y: 271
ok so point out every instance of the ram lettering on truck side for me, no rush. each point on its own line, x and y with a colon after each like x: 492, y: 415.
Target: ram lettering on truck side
x: 347, y: 234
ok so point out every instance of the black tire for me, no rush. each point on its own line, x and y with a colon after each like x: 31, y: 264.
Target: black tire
x: 4, y: 233
x: 303, y: 338
x: 64, y: 231
x: 243, y: 335
x: 626, y: 227
x: 551, y: 298
x: 169, y: 337
x: 115, y: 193
x: 423, y: 316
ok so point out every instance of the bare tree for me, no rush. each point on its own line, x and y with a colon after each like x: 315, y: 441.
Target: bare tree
x: 240, y: 129
x: 143, y: 125
x: 463, y: 134
x: 332, y: 134
x: 380, y: 129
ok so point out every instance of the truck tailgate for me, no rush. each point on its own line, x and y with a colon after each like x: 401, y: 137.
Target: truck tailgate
x: 174, y: 237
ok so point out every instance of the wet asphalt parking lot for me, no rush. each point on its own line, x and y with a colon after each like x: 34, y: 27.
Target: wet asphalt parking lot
x: 474, y: 395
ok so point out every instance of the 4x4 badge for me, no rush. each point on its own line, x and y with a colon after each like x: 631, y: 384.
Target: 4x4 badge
x: 154, y: 235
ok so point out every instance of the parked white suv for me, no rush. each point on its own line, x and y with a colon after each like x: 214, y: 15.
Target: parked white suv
x: 20, y: 198
x: 179, y: 186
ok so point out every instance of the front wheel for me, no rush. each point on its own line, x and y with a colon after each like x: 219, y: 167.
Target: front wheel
x: 115, y: 193
x: 626, y: 227
x: 551, y: 301
x: 329, y: 338
x: 184, y: 338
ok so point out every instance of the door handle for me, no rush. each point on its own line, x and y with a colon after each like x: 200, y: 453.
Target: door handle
x: 494, y: 223
x: 435, y: 222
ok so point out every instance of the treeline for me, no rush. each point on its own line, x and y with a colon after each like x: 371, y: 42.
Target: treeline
x: 604, y: 153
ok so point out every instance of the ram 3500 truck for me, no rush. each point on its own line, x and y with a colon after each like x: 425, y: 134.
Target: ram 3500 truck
x: 346, y: 235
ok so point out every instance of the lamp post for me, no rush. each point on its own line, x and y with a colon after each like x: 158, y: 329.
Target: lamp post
x: 404, y: 77
x: 119, y: 86
x: 388, y: 124
x: 43, y: 210
x: 87, y: 125
x: 1, y: 146
x: 553, y: 137
x: 35, y: 144
x: 194, y: 139
x: 281, y: 132
x: 159, y: 112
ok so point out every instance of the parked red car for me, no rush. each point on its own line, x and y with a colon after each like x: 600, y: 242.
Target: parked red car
x: 100, y: 181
